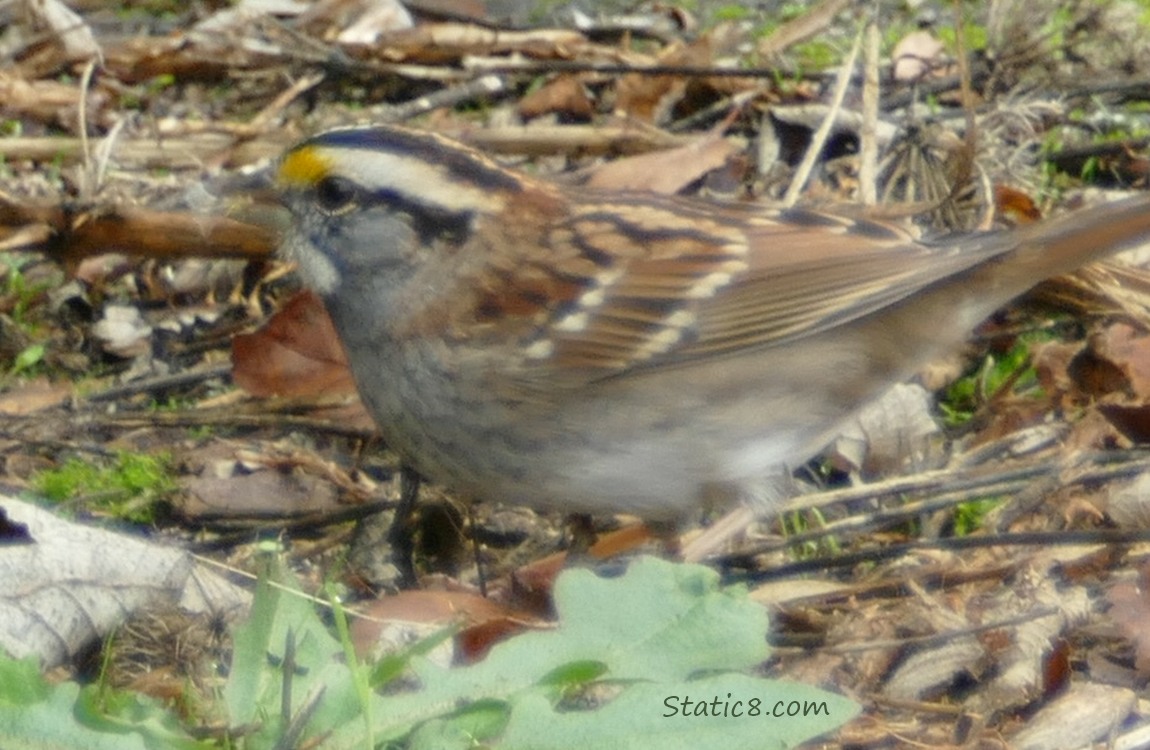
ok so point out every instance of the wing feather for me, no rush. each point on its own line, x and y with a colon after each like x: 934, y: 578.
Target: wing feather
x: 674, y: 284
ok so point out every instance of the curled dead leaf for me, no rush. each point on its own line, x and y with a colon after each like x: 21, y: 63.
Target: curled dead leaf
x: 296, y: 353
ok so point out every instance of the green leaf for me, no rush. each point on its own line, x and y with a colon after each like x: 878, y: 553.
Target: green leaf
x: 480, y: 720
x: 391, y: 667
x: 122, y: 713
x: 679, y: 628
x: 255, y: 687
x: 731, y: 711
x: 575, y: 673
x: 677, y: 622
x: 28, y: 358
x: 49, y: 725
x: 126, y: 486
x: 21, y: 683
x: 64, y: 716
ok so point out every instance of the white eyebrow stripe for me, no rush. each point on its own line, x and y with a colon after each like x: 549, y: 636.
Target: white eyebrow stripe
x: 418, y: 180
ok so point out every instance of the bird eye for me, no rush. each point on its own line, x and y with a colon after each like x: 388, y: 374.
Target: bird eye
x: 336, y: 195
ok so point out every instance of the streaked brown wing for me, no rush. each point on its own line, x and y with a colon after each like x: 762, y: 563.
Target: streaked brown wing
x: 779, y: 275
x: 802, y: 282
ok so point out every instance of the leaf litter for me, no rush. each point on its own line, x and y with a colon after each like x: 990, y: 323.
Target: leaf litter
x: 946, y: 637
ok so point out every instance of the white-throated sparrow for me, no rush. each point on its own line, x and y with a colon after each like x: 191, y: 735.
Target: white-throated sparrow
x: 605, y: 351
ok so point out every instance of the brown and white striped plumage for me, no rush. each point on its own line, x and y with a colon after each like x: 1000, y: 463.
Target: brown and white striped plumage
x: 596, y: 350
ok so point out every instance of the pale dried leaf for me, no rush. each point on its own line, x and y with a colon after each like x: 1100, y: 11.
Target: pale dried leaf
x: 890, y: 434
x: 123, y: 331
x: 74, y: 583
x: 1019, y: 666
x: 66, y: 26
x: 207, y: 591
x: 790, y: 590
x: 376, y: 18
x: 925, y: 673
x: 238, y: 18
x: 1128, y: 503
x: 1086, y: 713
x: 916, y: 54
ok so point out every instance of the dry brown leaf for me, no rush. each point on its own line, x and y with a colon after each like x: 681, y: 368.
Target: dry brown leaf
x: 1051, y: 362
x: 532, y: 583
x: 47, y: 101
x: 645, y: 97
x: 666, y: 172
x: 297, y: 353
x: 564, y: 95
x: 1132, y: 421
x: 1128, y: 350
x: 260, y: 494
x: 1097, y: 430
x: 1015, y: 205
x: 230, y: 480
x: 1130, y: 611
x: 392, y: 621
x: 33, y: 396
x: 810, y: 23
x: 448, y: 42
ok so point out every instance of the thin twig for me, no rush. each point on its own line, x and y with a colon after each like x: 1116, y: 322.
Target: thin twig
x: 815, y: 150
x: 868, y: 141
x: 894, y: 551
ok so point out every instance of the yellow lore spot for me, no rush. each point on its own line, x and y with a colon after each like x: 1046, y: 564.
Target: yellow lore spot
x: 303, y: 167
